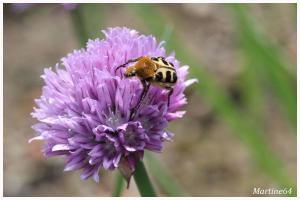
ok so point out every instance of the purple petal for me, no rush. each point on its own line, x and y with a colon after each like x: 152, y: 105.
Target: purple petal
x: 61, y: 147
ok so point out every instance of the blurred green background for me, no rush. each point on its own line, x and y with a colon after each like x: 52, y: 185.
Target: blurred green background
x: 240, y: 128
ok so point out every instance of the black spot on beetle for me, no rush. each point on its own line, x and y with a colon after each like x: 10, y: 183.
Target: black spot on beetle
x: 174, y: 77
x: 165, y: 62
x: 158, y: 76
x: 168, y: 77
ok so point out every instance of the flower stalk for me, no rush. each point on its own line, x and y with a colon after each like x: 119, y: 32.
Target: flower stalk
x: 119, y: 186
x: 142, y: 181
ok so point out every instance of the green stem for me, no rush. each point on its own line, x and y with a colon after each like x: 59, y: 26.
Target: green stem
x: 142, y: 181
x: 119, y: 186
x: 79, y: 26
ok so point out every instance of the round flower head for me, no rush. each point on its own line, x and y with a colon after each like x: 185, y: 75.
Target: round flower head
x: 84, y: 110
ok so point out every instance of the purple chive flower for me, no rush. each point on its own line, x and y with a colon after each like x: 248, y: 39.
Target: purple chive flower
x: 70, y: 6
x: 19, y: 8
x: 84, y: 109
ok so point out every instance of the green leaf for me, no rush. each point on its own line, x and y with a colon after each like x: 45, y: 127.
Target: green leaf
x: 163, y: 177
x: 95, y: 15
x: 268, y: 60
x: 252, y: 94
x: 79, y: 25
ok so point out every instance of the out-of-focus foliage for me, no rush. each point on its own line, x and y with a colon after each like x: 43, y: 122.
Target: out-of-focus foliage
x: 267, y: 59
x: 268, y: 62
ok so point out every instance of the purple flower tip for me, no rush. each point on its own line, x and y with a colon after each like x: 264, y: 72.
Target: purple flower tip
x: 84, y: 110
x: 70, y: 6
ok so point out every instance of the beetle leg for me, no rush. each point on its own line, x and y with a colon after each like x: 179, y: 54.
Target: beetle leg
x: 169, y: 95
x: 146, y: 87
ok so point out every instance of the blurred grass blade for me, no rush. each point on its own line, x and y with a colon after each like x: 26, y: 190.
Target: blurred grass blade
x: 250, y: 135
x: 119, y: 185
x: 95, y: 15
x: 252, y: 94
x: 79, y: 25
x: 162, y: 176
x: 168, y: 31
x: 142, y: 181
x: 269, y: 61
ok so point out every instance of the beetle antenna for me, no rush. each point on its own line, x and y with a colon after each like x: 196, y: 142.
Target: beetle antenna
x: 129, y: 61
x: 119, y: 67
